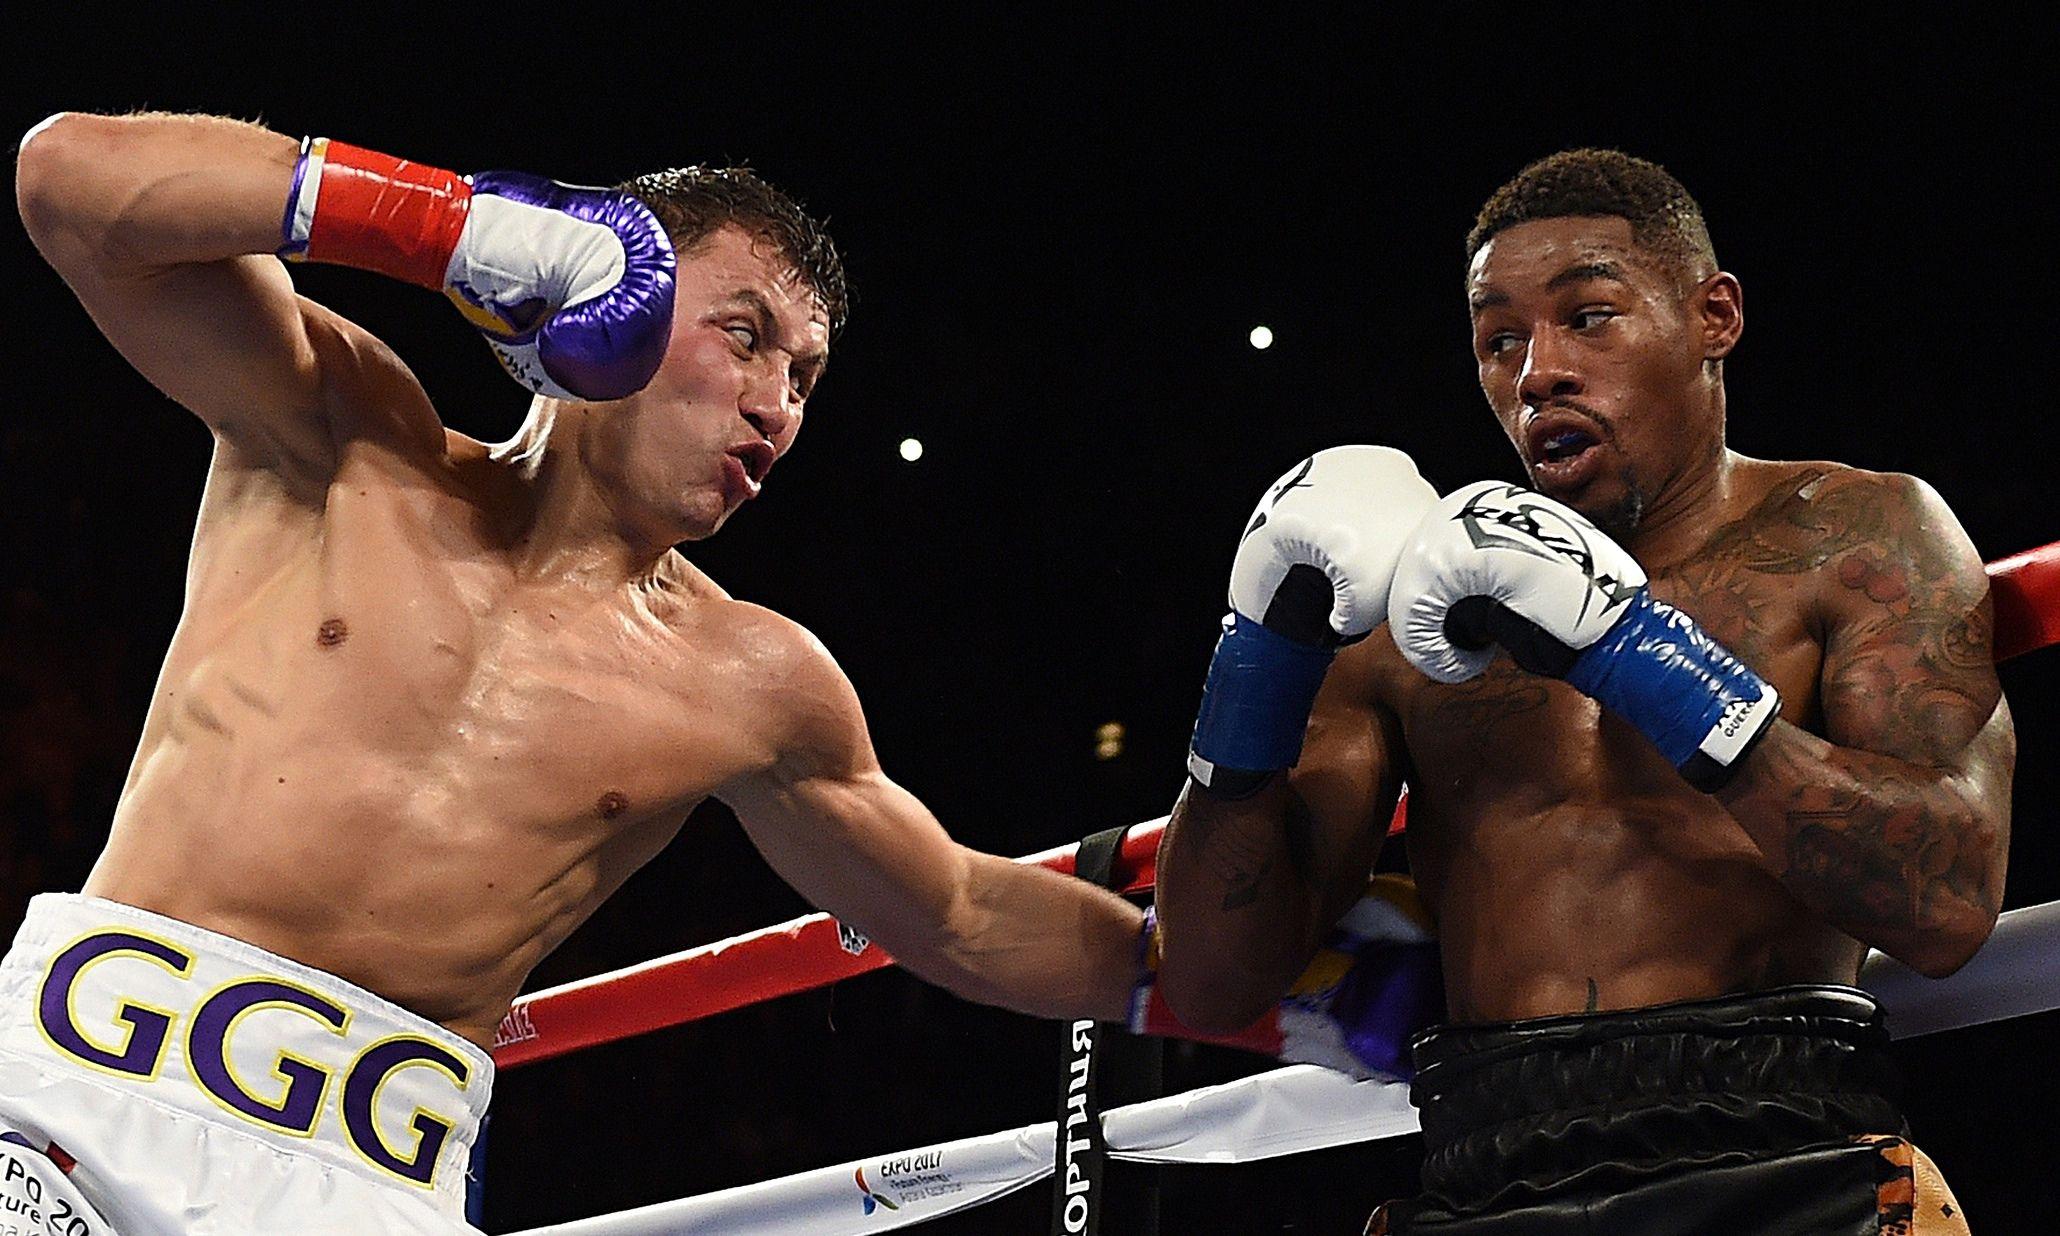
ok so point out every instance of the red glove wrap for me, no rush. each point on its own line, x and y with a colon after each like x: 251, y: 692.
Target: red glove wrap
x: 379, y: 213
x: 1262, y: 1036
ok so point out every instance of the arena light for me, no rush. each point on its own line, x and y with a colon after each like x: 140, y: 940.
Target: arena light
x: 1261, y: 337
x: 911, y: 449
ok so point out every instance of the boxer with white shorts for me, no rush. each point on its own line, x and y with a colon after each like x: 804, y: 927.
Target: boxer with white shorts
x: 432, y: 699
x: 210, y: 1085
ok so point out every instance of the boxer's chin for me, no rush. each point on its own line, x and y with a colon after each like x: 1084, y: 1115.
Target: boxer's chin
x: 1611, y: 501
x: 1619, y: 518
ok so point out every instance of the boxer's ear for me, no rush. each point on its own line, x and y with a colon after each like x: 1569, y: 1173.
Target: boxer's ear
x: 1718, y: 306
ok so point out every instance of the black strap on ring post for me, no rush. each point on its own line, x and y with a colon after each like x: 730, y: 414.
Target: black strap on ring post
x: 1079, y: 1150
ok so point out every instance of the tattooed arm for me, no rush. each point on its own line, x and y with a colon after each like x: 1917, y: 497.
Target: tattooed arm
x: 1895, y: 826
x: 1247, y: 888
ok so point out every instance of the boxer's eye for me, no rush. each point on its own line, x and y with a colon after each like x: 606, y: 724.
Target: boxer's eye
x: 1498, y: 343
x: 1592, y: 317
x: 744, y: 335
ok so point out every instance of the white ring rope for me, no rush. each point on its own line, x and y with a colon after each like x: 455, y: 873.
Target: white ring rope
x: 1301, y: 1107
x: 1286, y: 1111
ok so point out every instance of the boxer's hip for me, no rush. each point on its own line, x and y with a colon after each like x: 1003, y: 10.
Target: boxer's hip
x: 224, y: 1043
x: 1663, y: 1119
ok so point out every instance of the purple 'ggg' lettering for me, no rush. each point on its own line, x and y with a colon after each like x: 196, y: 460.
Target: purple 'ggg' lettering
x: 147, y: 1030
x: 371, y: 1069
x: 207, y: 1051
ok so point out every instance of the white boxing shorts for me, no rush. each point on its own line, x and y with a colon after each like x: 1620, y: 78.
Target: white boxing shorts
x: 159, y: 1078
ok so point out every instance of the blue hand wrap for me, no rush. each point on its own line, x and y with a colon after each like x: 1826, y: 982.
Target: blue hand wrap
x: 1659, y: 670
x: 1256, y: 701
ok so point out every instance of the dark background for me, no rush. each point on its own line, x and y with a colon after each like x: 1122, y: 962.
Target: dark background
x: 1060, y: 233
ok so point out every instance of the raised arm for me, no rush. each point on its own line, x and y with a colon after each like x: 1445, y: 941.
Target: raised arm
x: 1248, y: 886
x: 1895, y: 825
x: 165, y: 226
x: 1255, y: 867
x: 834, y: 826
x: 168, y: 227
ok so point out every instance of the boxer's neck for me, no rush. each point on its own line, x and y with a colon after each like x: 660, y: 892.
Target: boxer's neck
x: 1686, y: 510
x: 570, y: 529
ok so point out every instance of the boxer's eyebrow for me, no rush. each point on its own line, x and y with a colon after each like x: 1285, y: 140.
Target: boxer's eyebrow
x: 749, y: 298
x: 1584, y: 271
x: 1580, y: 272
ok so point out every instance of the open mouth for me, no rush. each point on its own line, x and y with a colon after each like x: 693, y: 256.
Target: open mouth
x: 1562, y: 450
x: 757, y: 459
x: 1564, y: 445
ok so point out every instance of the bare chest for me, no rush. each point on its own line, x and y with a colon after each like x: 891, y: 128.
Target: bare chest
x: 398, y: 654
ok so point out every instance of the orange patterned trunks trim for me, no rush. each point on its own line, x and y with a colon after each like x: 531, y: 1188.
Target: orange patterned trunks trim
x: 1914, y: 1200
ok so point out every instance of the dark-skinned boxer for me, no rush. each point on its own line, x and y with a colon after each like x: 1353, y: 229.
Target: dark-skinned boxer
x: 1685, y: 733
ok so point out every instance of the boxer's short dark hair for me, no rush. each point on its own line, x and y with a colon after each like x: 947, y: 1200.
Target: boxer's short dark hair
x: 1664, y: 219
x: 693, y: 202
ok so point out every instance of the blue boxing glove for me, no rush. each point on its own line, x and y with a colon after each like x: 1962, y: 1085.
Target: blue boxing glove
x: 1495, y: 563
x: 572, y: 287
x: 1311, y: 575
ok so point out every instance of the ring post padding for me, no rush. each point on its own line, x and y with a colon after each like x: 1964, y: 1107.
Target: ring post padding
x: 1078, y: 1155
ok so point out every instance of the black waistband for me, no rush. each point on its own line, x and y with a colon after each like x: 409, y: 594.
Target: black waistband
x: 1530, y: 1109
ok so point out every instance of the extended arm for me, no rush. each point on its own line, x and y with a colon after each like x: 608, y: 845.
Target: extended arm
x: 859, y: 846
x: 1895, y: 826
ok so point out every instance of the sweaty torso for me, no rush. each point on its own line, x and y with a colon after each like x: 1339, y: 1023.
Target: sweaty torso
x: 1568, y: 865
x: 378, y: 748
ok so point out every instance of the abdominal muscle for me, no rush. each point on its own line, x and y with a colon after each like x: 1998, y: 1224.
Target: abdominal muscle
x: 1592, y: 907
x: 437, y: 899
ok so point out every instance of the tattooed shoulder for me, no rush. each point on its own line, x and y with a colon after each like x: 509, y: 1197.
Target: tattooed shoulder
x: 1911, y: 665
x: 1808, y: 516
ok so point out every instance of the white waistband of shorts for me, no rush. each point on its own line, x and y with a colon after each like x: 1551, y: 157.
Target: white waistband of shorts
x: 225, y: 1031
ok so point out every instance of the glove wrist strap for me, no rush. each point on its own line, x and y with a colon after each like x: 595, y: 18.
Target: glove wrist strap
x: 357, y: 207
x: 1701, y: 706
x: 1256, y: 702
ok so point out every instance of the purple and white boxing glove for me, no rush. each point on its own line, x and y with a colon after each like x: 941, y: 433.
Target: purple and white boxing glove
x: 1495, y: 563
x: 572, y: 287
x: 1372, y: 986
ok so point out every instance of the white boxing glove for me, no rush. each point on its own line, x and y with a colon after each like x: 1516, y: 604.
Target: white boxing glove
x: 1343, y: 513
x: 1495, y: 563
x: 1312, y: 574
